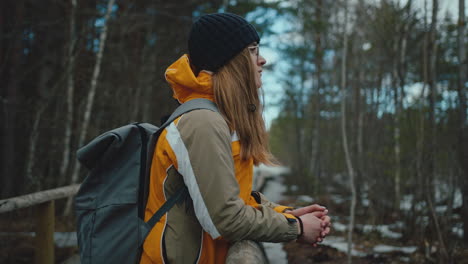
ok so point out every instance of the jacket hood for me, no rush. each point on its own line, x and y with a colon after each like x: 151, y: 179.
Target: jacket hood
x: 185, y: 85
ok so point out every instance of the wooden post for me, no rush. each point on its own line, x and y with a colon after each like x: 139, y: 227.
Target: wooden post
x: 45, y: 233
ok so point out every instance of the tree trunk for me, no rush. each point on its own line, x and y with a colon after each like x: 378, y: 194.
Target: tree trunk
x: 146, y: 76
x: 10, y: 105
x: 90, y: 98
x: 420, y: 132
x: 344, y: 134
x: 34, y: 134
x: 69, y: 101
x: 396, y: 125
x: 177, y: 19
x: 361, y: 110
x: 430, y: 188
x: 35, y: 175
x: 432, y: 97
x: 305, y: 184
x: 397, y: 150
x: 315, y: 100
x: 462, y: 130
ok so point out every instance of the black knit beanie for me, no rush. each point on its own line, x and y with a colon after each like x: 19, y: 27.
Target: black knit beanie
x: 217, y: 38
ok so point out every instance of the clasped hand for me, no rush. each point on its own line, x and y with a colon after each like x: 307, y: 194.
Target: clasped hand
x: 316, y: 223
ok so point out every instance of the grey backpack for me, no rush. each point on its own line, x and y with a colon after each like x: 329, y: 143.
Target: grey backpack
x: 110, y: 204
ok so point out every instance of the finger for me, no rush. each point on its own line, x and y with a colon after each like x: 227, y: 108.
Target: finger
x: 326, y: 232
x: 318, y: 214
x: 325, y: 222
x: 326, y: 219
x: 295, y: 212
x: 308, y: 209
x: 316, y: 207
x: 298, y: 212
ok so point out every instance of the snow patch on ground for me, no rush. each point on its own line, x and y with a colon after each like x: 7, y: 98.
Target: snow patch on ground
x: 365, y: 202
x: 341, y: 245
x: 457, y: 229
x: 339, y: 226
x: 275, y: 253
x: 271, y: 170
x: 384, y: 230
x: 458, y: 199
x: 274, y: 188
x: 441, y: 208
x: 406, y: 201
x: 338, y: 199
x: 388, y: 249
x: 398, y: 224
x: 305, y: 199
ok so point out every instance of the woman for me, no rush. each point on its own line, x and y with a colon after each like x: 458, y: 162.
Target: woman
x: 213, y: 154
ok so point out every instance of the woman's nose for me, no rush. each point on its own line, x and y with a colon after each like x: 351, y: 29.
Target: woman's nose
x: 261, y: 61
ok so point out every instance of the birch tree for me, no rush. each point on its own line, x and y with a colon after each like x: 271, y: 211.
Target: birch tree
x: 344, y: 133
x: 396, y: 126
x: 69, y: 98
x: 398, y: 82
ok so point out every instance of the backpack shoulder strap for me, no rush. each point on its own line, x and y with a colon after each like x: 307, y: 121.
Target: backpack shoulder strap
x: 189, y: 106
x: 180, y: 194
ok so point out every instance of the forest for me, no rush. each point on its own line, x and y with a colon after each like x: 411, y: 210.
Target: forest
x: 371, y: 101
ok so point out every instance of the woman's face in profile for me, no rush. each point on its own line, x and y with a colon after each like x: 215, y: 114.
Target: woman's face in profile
x: 257, y: 61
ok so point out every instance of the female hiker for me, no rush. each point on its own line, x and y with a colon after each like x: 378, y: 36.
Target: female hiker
x: 213, y: 154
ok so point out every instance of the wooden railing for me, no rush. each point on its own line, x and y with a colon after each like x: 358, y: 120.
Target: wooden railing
x: 45, y: 203
x: 246, y: 252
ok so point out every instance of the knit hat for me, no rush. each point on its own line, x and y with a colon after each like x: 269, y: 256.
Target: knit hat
x: 217, y: 38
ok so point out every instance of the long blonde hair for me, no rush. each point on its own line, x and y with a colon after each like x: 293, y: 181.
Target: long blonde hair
x: 238, y: 101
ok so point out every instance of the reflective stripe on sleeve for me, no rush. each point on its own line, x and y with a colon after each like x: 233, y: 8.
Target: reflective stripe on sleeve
x: 185, y: 169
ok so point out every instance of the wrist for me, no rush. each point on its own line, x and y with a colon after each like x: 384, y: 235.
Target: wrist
x: 300, y: 226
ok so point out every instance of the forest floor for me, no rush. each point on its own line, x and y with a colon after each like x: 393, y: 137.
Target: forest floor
x: 372, y: 243
x: 380, y: 244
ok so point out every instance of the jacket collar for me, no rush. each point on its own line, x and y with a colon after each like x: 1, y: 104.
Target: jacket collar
x: 185, y: 85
